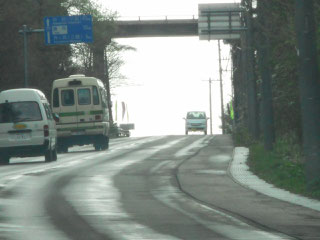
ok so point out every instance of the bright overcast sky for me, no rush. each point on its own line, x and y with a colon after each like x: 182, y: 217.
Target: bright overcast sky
x: 170, y: 73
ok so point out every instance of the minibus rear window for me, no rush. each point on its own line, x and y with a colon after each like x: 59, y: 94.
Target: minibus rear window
x: 67, y: 97
x: 95, y: 95
x: 55, y: 98
x: 84, y: 96
x: 19, y: 112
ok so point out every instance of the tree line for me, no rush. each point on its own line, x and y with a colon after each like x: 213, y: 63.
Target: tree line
x: 47, y: 63
x: 281, y: 100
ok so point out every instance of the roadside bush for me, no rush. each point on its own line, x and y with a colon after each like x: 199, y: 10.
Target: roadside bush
x: 242, y: 137
x: 282, y: 167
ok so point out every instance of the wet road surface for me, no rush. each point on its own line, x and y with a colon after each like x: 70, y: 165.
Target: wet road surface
x: 164, y: 187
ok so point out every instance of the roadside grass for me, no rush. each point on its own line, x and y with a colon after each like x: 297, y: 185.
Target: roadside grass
x: 282, y: 167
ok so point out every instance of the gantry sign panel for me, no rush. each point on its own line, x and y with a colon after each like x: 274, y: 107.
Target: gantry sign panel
x: 220, y: 21
x: 68, y: 29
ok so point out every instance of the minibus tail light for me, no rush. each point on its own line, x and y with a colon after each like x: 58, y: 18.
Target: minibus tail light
x: 46, y: 130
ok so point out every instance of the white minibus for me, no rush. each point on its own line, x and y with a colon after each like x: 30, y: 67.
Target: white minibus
x: 82, y: 105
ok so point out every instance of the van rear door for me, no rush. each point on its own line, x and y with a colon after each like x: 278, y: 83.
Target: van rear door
x: 85, y: 107
x: 21, y: 124
x: 67, y: 109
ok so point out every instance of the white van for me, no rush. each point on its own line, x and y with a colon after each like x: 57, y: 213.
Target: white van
x: 82, y: 105
x: 27, y: 126
x: 196, y: 121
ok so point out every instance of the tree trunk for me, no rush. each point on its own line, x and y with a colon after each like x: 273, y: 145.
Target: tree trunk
x: 267, y: 118
x: 100, y: 70
x: 309, y: 88
x: 253, y: 123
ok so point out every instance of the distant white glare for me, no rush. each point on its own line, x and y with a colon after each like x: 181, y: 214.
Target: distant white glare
x: 170, y: 74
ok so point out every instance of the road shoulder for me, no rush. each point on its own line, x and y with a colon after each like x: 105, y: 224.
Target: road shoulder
x: 239, y: 170
x: 206, y: 177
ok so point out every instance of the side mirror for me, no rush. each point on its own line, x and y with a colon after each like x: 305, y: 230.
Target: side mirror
x: 56, y: 117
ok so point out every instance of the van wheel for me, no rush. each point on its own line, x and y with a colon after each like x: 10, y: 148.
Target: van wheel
x: 105, y: 143
x: 49, y: 155
x: 62, y: 149
x: 55, y: 157
x: 97, y: 147
x: 4, y: 159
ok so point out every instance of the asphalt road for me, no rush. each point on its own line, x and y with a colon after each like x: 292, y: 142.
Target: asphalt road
x: 162, y: 187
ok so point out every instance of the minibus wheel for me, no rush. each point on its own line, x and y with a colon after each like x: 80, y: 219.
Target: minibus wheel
x: 105, y: 144
x: 102, y: 143
x: 4, y: 159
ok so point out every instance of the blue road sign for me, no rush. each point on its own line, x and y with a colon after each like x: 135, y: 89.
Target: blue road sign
x: 68, y: 29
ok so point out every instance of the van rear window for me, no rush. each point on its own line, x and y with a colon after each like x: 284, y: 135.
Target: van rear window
x: 95, y: 95
x: 19, y: 112
x: 67, y: 97
x: 55, y: 98
x: 84, y: 96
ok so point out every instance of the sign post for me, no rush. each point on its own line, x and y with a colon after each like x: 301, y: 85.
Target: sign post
x: 25, y: 31
x: 59, y: 30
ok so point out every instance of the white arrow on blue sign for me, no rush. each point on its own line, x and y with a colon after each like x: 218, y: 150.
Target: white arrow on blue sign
x: 68, y: 29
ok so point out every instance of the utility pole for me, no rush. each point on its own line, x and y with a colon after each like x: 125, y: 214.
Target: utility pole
x: 210, y: 103
x: 309, y: 87
x: 210, y: 106
x: 221, y: 89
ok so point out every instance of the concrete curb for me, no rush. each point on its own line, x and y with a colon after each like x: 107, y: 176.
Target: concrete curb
x: 240, y: 172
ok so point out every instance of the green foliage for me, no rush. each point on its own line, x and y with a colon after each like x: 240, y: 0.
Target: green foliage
x: 279, y: 29
x: 282, y: 167
x: 45, y: 63
x: 288, y: 148
x: 242, y: 137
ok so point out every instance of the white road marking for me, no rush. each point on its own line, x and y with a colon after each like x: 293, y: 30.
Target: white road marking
x: 190, y: 149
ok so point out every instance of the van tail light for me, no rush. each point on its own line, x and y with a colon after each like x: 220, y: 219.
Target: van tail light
x: 46, y: 130
x: 98, y: 117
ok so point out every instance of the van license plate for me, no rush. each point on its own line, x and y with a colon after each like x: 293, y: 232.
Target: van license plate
x: 20, y: 136
x: 81, y: 132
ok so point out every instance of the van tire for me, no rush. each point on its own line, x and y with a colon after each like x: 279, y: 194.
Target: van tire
x: 4, y: 159
x: 50, y: 155
x: 102, y: 143
x: 97, y: 146
x: 55, y: 156
x: 62, y: 149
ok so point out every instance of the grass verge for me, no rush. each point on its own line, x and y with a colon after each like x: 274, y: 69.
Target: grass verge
x: 281, y: 168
